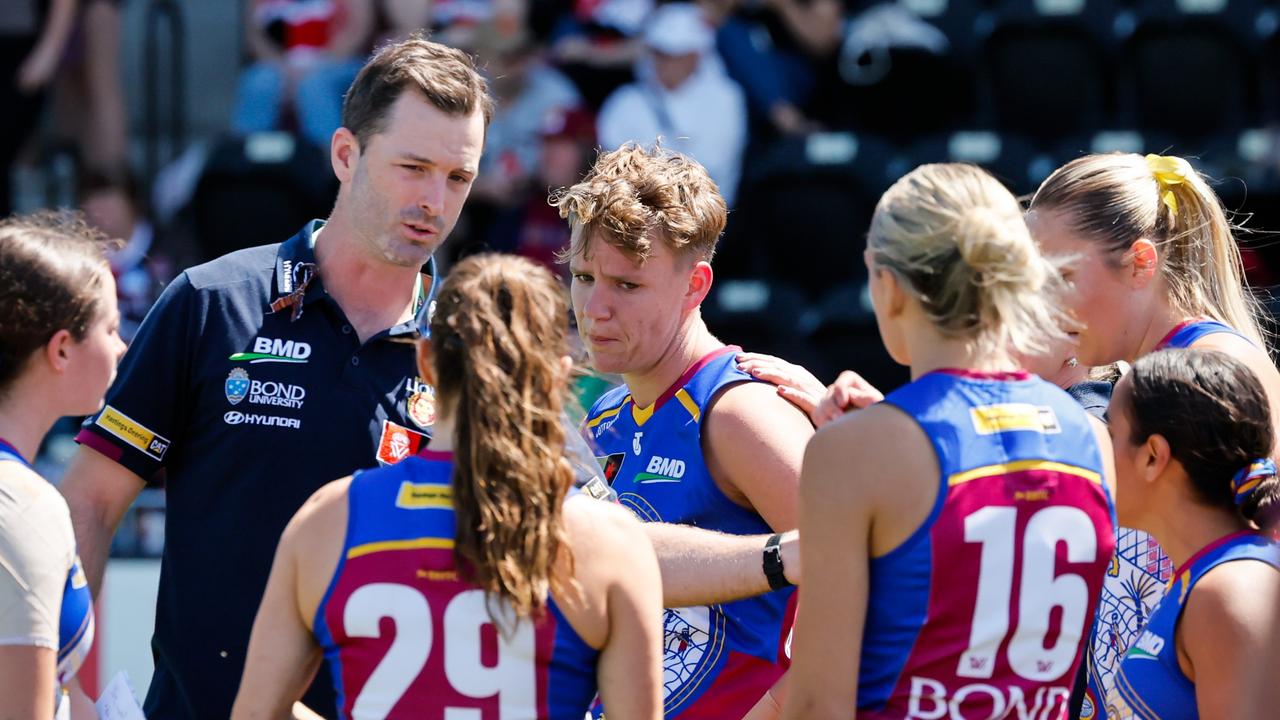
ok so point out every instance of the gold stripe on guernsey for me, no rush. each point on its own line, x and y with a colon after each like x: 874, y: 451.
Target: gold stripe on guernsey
x: 418, y: 496
x: 639, y: 414
x: 689, y: 404
x: 1021, y: 465
x: 429, y: 543
x: 603, y: 416
x: 1185, y: 577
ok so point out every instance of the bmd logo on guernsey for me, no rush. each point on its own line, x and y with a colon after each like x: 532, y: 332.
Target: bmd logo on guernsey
x: 272, y: 350
x: 662, y: 470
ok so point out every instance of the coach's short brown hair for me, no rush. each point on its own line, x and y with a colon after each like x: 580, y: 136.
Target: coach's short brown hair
x: 634, y: 194
x: 446, y: 77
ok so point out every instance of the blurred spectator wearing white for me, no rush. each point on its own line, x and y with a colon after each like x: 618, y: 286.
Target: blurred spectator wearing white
x: 527, y: 90
x: 683, y: 96
x: 304, y: 54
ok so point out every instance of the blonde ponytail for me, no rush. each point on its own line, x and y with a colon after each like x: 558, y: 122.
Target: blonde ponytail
x: 1115, y: 199
x: 957, y: 237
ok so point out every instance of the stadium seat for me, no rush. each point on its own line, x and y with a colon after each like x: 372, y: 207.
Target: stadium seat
x: 1047, y: 66
x: 1010, y: 157
x: 843, y: 326
x: 259, y: 189
x: 955, y: 18
x: 804, y: 208
x: 894, y: 58
x: 1191, y: 66
x: 760, y: 314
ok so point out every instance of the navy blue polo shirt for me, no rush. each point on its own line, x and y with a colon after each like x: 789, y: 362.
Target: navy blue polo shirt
x: 244, y: 413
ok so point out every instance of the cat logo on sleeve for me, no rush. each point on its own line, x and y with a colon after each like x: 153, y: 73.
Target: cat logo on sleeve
x: 132, y: 432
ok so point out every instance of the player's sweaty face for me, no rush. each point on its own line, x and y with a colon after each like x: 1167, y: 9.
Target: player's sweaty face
x: 628, y: 314
x: 413, y: 178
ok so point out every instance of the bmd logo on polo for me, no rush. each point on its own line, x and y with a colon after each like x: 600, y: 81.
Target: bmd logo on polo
x: 273, y: 350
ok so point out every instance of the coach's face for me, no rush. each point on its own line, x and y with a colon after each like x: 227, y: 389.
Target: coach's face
x: 407, y: 184
x: 629, y: 314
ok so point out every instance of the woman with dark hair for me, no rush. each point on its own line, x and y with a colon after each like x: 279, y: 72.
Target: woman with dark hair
x: 59, y: 345
x: 505, y: 592
x: 1192, y: 433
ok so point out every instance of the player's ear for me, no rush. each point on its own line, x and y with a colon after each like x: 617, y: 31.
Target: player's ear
x: 1143, y: 258
x: 700, y: 279
x: 426, y: 362
x: 57, y: 351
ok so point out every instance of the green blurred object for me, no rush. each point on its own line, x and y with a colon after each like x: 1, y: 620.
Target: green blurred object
x: 587, y: 388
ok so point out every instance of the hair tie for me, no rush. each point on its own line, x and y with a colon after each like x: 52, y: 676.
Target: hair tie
x: 1169, y: 170
x: 1247, y: 480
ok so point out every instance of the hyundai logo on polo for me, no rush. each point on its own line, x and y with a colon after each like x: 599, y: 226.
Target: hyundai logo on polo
x: 236, y: 386
x: 235, y: 417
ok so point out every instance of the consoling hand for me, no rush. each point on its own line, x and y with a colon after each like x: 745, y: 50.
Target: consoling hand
x: 849, y: 392
x: 795, y: 384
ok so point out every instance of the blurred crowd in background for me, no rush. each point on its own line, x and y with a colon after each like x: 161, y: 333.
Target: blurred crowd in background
x: 803, y: 112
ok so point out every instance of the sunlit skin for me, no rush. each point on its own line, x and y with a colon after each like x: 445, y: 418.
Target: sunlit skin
x: 92, y: 361
x: 639, y: 320
x: 1115, y: 297
x: 404, y: 189
x: 1123, y: 304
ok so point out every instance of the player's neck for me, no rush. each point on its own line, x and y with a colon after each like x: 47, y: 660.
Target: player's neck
x: 25, y: 419
x: 374, y: 295
x: 1161, y: 321
x: 441, y: 433
x: 688, y: 347
x: 1186, y: 526
x: 931, y: 351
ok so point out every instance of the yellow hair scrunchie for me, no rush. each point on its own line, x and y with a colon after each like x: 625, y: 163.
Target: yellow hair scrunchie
x: 1169, y: 170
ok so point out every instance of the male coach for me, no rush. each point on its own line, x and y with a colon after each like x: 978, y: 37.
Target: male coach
x: 266, y: 373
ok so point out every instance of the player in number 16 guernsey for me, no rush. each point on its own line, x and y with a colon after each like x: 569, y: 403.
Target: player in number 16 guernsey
x: 958, y: 531
x: 468, y: 581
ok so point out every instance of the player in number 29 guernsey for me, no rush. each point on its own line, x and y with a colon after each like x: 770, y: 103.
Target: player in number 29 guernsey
x: 465, y: 581
x: 960, y: 529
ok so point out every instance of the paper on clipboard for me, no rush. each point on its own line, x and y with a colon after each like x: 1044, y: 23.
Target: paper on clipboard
x: 117, y: 701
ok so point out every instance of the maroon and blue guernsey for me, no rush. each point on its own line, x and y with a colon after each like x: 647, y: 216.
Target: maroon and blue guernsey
x: 406, y: 637
x: 983, y: 611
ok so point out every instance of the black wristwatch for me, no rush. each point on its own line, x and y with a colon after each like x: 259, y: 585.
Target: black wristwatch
x: 773, y: 563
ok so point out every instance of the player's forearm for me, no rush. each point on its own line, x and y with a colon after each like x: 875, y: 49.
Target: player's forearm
x: 702, y: 567
x: 93, y: 540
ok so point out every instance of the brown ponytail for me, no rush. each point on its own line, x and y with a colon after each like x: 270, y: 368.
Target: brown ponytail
x: 498, y: 334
